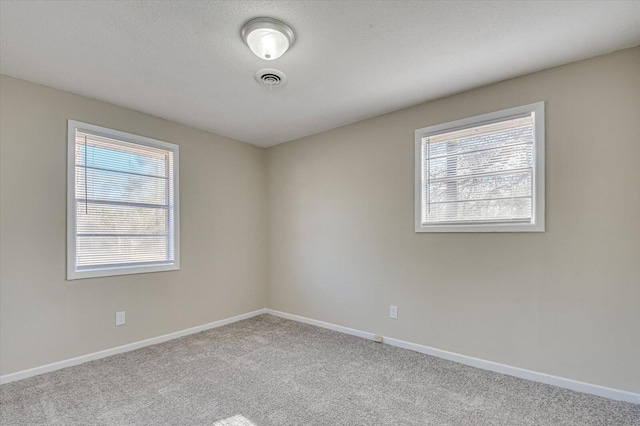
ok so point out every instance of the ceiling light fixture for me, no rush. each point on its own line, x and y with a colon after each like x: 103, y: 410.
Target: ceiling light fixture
x: 268, y: 38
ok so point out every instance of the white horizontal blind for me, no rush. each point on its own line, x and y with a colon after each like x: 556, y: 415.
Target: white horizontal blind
x: 480, y: 175
x: 124, y: 203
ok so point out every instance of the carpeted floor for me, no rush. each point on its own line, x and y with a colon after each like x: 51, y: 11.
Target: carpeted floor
x: 269, y: 371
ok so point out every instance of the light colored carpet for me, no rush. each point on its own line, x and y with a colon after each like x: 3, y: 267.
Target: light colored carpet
x: 266, y: 371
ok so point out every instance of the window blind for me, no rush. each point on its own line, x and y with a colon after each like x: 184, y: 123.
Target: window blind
x: 124, y: 203
x: 482, y: 174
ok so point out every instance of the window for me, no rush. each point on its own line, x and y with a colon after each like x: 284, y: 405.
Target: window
x: 482, y: 174
x: 122, y: 203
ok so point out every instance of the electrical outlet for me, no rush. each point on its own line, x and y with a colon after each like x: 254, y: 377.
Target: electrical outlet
x: 120, y: 318
x: 377, y: 338
x: 393, y: 312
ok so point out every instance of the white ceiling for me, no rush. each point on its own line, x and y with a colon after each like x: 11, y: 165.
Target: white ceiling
x: 185, y: 60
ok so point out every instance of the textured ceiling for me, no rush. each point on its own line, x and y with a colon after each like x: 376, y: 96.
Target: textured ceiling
x: 185, y: 60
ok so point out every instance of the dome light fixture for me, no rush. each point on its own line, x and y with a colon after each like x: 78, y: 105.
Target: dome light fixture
x: 268, y: 38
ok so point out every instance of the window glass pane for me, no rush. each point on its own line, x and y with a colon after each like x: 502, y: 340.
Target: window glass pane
x: 480, y: 211
x: 492, y: 160
x: 115, y: 251
x: 112, y: 219
x: 122, y: 156
x: 120, y: 187
x: 494, y: 135
x: 478, y: 188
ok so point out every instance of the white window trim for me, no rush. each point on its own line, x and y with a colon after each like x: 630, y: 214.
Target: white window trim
x: 72, y: 274
x: 538, y: 224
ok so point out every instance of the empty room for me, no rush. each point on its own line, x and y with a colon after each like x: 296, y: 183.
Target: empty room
x: 357, y: 213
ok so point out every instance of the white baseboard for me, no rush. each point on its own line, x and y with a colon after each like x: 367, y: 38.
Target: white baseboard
x: 522, y: 373
x: 124, y: 348
x: 535, y: 376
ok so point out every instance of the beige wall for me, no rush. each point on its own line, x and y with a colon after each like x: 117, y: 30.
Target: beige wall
x: 223, y: 234
x: 341, y: 246
x: 566, y: 302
